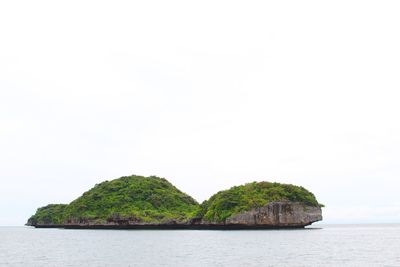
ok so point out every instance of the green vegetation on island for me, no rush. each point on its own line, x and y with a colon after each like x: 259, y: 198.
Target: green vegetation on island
x: 136, y: 198
x: 50, y: 214
x: 153, y: 200
x: 226, y: 203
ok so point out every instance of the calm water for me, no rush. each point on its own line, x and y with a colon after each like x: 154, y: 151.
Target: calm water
x: 351, y: 245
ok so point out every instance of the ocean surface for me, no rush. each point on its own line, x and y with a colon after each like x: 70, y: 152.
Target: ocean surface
x: 320, y: 245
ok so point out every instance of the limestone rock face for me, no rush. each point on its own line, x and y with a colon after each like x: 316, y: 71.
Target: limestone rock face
x: 278, y: 214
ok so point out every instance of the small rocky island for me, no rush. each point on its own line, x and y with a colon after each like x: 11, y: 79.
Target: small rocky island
x: 137, y: 202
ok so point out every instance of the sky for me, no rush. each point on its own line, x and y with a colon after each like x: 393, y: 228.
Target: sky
x: 208, y: 94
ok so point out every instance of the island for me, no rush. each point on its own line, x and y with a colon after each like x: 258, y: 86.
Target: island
x: 138, y: 202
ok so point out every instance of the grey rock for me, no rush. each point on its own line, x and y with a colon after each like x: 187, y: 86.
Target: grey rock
x: 278, y: 214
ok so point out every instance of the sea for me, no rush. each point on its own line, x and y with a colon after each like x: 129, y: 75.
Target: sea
x: 319, y: 245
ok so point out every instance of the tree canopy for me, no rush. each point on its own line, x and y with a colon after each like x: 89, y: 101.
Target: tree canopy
x: 142, y: 199
x: 155, y: 200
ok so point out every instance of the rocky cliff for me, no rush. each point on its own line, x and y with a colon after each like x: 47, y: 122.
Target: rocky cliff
x: 278, y: 214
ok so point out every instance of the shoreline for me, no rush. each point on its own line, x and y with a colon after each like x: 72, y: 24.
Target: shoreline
x: 174, y: 227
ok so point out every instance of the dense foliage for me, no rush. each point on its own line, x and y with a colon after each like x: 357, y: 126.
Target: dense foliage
x: 136, y: 198
x: 152, y: 199
x: 145, y: 199
x: 50, y: 214
x: 252, y: 195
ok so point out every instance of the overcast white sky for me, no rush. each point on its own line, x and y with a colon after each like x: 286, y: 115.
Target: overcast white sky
x: 208, y: 94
